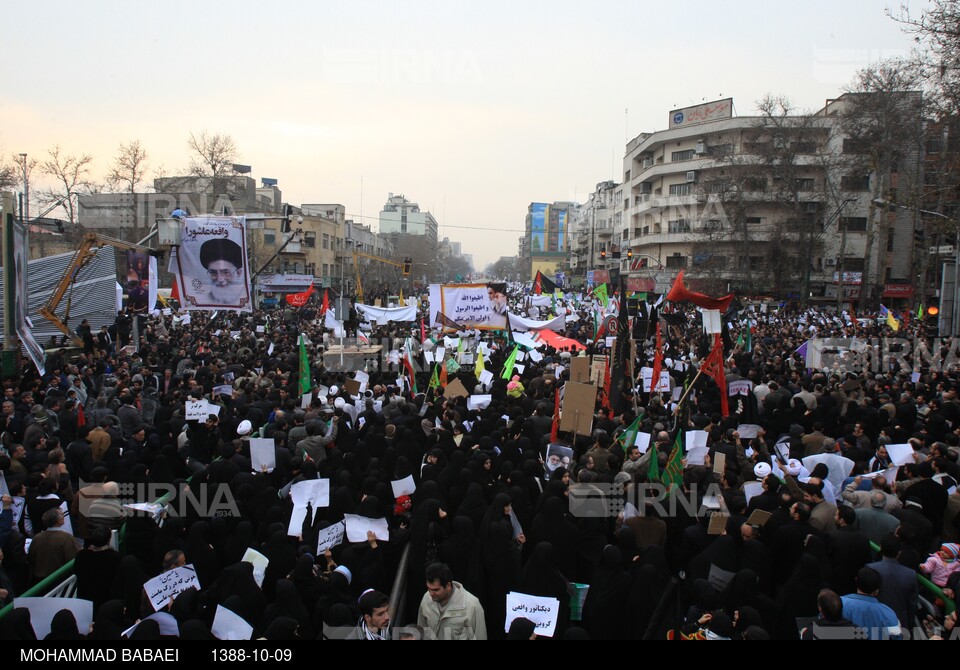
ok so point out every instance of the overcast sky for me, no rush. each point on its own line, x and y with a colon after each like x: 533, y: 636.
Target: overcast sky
x: 471, y: 109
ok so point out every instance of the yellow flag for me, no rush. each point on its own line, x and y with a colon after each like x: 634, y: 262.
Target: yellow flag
x: 478, y: 370
x: 892, y: 322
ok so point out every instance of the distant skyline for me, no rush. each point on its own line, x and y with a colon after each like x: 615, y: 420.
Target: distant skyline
x: 472, y: 111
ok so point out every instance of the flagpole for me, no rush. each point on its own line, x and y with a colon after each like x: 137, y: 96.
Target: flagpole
x: 687, y: 392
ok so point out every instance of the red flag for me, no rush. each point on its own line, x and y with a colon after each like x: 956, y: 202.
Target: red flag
x: 326, y: 302
x: 657, y: 362
x: 680, y: 293
x: 423, y: 331
x: 713, y: 367
x: 606, y: 384
x: 81, y: 420
x: 299, y: 299
x: 175, y: 292
x: 537, y: 285
x: 555, y: 429
x: 443, y: 375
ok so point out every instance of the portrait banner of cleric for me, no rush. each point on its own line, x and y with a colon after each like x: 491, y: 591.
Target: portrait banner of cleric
x: 212, y: 264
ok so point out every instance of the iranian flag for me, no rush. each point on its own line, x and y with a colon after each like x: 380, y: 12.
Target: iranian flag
x: 408, y: 366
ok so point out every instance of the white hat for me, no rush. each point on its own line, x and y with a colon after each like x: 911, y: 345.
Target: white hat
x: 244, y: 428
x: 793, y: 467
x: 334, y: 390
x: 322, y: 399
x: 345, y: 571
x: 339, y: 403
x: 761, y: 470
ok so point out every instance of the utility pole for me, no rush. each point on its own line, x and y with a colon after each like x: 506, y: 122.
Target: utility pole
x: 11, y: 345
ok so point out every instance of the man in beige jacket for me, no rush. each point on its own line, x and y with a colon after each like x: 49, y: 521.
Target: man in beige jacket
x: 448, y: 611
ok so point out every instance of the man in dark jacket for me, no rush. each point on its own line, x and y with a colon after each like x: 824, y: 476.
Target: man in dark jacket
x: 898, y: 586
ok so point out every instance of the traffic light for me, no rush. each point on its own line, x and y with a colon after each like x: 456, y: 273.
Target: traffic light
x: 629, y: 254
x: 407, y: 263
x: 603, y: 255
x: 287, y: 215
x: 931, y: 323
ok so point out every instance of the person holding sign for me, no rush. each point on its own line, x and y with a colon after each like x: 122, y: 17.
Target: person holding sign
x: 448, y: 611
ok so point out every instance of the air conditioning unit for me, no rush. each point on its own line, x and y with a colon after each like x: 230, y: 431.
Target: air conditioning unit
x: 701, y: 148
x: 691, y: 176
x: 830, y: 262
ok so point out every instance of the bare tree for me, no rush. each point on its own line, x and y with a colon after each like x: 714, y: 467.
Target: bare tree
x: 9, y: 176
x: 214, y: 156
x: 129, y: 167
x: 937, y: 33
x: 72, y: 175
x: 883, y: 118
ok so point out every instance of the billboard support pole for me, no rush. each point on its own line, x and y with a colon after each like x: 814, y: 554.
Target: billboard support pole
x: 11, y: 345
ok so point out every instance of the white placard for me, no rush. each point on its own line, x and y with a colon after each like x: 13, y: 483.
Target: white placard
x: 901, y: 454
x: 428, y: 357
x: 357, y: 527
x: 711, y: 321
x: 543, y: 612
x: 677, y: 393
x: 479, y: 402
x: 440, y: 353
x: 263, y: 453
x: 914, y: 377
x: 42, y: 611
x: 697, y: 455
x: 18, y: 506
x: 166, y: 622
x: 536, y: 356
x: 260, y: 329
x: 646, y: 375
x: 695, y: 438
x: 752, y: 489
x: 486, y: 378
x: 403, y: 487
x: 330, y: 537
x: 270, y: 350
x: 642, y: 442
x: 166, y: 586
x: 748, y: 431
x: 230, y: 626
x: 259, y: 563
x: 197, y: 410
x: 314, y: 491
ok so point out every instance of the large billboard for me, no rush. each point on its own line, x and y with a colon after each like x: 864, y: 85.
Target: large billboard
x: 705, y: 113
x: 212, y: 268
x: 480, y: 306
x: 538, y: 228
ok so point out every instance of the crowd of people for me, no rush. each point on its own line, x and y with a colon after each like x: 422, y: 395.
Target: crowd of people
x: 835, y: 552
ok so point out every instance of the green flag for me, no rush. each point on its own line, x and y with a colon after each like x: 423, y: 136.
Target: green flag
x: 673, y: 473
x: 920, y: 312
x: 452, y: 366
x: 629, y: 436
x: 511, y: 361
x: 653, y: 468
x: 435, y: 379
x: 305, y: 386
x: 601, y: 293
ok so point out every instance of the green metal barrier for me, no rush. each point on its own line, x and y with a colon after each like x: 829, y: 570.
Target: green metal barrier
x: 927, y: 585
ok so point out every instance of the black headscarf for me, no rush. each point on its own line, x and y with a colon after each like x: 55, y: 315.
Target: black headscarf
x: 284, y: 628
x: 605, y: 614
x: 17, y: 626
x: 110, y: 621
x: 287, y: 604
x: 63, y: 627
x: 236, y: 581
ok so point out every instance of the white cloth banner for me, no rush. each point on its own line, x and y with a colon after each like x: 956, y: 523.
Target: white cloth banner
x: 383, y: 315
x: 518, y: 322
x: 469, y: 305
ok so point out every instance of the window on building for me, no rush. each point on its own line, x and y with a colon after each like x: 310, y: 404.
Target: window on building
x: 853, y: 265
x: 717, y: 186
x: 687, y: 155
x: 755, y: 184
x: 676, y: 262
x: 720, y: 150
x: 646, y: 230
x: 403, y: 227
x: 854, y: 224
x: 855, y: 182
x: 678, y: 226
x: 805, y: 184
x: 326, y: 240
x: 890, y: 240
x: 755, y: 262
x: 754, y: 220
x: 679, y: 189
x: 311, y: 269
x: 326, y: 270
x: 933, y: 145
x: 270, y: 236
x: 310, y: 240
x: 805, y: 147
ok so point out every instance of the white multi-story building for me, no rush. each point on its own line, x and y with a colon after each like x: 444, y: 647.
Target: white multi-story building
x: 399, y: 215
x: 757, y: 205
